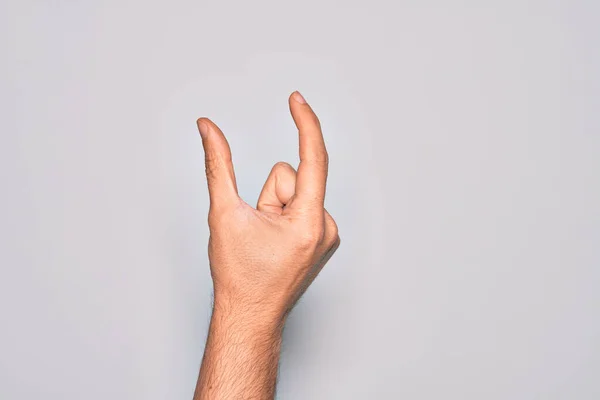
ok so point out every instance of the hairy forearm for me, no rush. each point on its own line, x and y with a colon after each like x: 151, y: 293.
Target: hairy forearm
x: 241, y: 355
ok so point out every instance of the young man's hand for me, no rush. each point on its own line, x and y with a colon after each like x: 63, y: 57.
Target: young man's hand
x: 262, y: 259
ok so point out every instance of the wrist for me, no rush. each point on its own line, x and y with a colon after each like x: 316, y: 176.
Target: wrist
x: 242, y: 351
x: 247, y: 315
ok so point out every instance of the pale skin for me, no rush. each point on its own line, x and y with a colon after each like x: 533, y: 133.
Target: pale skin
x: 261, y: 259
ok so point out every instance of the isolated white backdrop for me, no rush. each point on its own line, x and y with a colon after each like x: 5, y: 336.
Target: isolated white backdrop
x: 464, y: 142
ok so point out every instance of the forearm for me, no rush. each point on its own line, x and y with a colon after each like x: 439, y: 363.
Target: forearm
x: 241, y: 355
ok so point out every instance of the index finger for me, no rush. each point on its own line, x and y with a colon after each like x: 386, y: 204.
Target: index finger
x: 314, y: 160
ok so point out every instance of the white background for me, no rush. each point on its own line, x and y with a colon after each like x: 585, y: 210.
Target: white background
x: 464, y: 139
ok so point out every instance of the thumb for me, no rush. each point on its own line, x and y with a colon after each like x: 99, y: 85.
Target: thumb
x: 219, y: 167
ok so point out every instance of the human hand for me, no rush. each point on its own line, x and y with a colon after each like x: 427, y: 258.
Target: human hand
x: 263, y: 259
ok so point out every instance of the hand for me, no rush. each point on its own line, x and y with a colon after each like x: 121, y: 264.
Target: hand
x: 263, y: 259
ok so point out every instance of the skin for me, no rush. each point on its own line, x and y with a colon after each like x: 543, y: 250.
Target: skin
x: 261, y: 259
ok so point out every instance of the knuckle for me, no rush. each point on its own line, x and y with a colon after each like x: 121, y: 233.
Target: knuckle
x: 225, y: 216
x: 314, y: 119
x: 335, y: 245
x: 311, y: 238
x: 211, y: 164
x: 332, y: 226
x: 217, y: 217
x: 214, y: 163
x: 210, y: 155
x: 211, y: 171
x: 214, y: 219
x: 334, y: 231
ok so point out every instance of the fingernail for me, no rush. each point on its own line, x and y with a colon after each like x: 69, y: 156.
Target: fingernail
x: 202, y: 127
x: 298, y: 97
